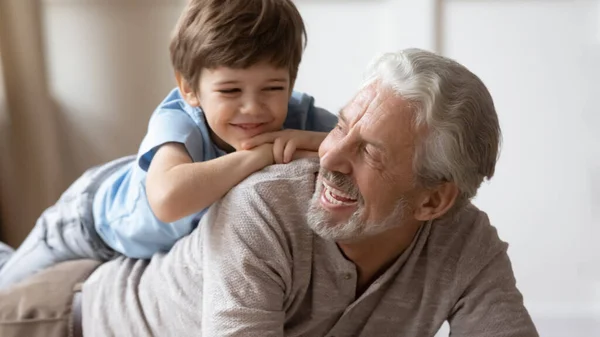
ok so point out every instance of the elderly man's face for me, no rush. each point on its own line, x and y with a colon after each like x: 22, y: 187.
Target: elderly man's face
x: 365, y: 184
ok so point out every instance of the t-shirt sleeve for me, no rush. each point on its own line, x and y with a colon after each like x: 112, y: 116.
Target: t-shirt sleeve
x: 320, y: 119
x: 491, y: 304
x: 246, y: 267
x: 303, y: 114
x: 171, y: 126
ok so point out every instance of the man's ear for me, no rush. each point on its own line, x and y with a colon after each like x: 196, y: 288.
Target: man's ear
x: 189, y: 95
x: 436, y: 202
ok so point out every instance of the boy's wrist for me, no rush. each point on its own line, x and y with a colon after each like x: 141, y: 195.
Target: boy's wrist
x: 256, y: 160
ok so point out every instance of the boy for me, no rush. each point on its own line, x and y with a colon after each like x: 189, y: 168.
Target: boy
x: 235, y: 65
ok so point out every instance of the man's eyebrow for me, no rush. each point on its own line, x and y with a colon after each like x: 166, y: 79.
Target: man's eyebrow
x: 375, y: 143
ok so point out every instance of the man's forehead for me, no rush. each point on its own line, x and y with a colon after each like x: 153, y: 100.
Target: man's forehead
x: 367, y: 94
x: 383, y: 117
x: 374, y: 100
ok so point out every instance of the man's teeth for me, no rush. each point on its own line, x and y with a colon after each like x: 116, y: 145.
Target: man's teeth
x: 337, y: 192
x: 334, y: 195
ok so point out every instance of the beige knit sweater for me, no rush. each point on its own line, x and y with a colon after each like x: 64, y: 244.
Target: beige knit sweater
x: 254, y: 268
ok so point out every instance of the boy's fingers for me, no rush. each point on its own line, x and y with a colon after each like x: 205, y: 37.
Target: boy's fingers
x: 257, y: 140
x: 288, y: 152
x: 252, y: 143
x: 278, y: 148
x: 299, y: 154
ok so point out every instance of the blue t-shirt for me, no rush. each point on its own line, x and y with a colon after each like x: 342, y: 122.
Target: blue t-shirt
x: 122, y: 215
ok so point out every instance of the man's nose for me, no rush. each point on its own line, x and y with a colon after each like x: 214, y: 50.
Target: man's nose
x: 336, y: 155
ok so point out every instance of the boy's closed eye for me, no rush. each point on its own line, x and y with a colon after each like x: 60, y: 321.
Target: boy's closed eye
x: 274, y: 88
x: 229, y: 91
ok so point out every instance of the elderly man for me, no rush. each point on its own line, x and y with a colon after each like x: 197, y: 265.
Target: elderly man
x: 380, y: 240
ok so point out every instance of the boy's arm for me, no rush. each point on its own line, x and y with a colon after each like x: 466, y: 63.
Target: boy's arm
x: 177, y: 187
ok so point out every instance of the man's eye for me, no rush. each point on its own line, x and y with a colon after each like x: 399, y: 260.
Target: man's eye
x: 365, y: 150
x: 229, y: 91
x: 369, y: 152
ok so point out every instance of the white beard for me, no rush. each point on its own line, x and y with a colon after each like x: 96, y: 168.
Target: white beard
x: 356, y: 228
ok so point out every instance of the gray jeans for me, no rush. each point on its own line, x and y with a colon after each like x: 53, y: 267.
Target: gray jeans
x: 65, y: 231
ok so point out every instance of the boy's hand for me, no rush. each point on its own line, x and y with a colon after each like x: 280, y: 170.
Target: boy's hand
x: 264, y: 155
x: 300, y: 154
x: 286, y: 142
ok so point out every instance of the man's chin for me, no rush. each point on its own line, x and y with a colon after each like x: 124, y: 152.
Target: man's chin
x: 336, y: 232
x: 324, y: 226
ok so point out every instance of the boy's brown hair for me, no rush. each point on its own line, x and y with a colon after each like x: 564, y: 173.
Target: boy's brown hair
x: 237, y: 34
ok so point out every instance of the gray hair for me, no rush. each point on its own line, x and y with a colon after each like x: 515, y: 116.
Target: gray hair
x: 457, y: 111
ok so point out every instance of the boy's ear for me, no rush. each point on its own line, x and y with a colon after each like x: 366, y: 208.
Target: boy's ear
x: 186, y: 90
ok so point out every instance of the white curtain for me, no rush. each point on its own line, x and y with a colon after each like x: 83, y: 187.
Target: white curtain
x: 31, y: 165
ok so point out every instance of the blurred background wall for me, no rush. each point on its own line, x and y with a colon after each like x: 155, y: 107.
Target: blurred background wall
x: 80, y: 78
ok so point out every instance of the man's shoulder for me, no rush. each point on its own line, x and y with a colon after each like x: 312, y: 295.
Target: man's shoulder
x: 465, y: 243
x: 281, y: 193
x: 277, y: 196
x: 468, y: 231
x: 265, y: 215
x: 296, y: 175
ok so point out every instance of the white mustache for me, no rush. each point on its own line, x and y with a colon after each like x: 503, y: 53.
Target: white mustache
x: 341, y: 182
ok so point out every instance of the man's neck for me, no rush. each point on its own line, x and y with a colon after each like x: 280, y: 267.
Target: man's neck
x: 374, y: 255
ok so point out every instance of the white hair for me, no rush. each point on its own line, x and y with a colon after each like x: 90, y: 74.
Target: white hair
x: 457, y: 111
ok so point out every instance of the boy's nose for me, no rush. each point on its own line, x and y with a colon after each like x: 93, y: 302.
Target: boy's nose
x: 251, y: 106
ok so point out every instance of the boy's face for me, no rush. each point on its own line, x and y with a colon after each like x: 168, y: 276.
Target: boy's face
x: 242, y: 103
